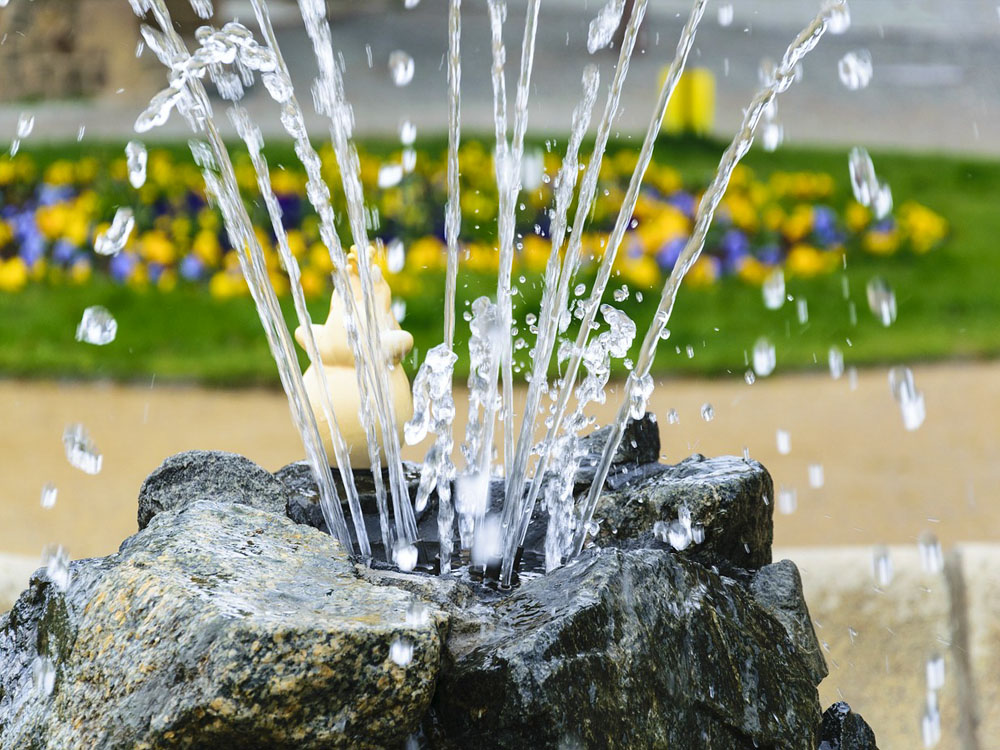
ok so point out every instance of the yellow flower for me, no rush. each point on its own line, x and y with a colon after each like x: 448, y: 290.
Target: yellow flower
x: 13, y: 275
x: 535, y: 252
x: 480, y: 258
x: 923, y: 227
x: 427, y: 252
x: 319, y: 258
x: 798, y: 225
x: 225, y: 285
x: 155, y: 246
x: 167, y: 280
x: 857, y: 217
x: 773, y: 217
x: 206, y: 247
x: 752, y: 271
x: 60, y: 172
x: 742, y: 212
x: 313, y: 283
x: 7, y: 172
x: 806, y: 261
x: 879, y: 242
x: 80, y: 272
x: 703, y: 273
x: 640, y: 272
x: 296, y: 243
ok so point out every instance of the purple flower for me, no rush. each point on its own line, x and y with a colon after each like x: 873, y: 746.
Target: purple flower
x: 191, y: 267
x: 31, y: 250
x: 825, y: 226
x: 735, y: 246
x: 770, y: 255
x: 668, y: 254
x: 62, y: 252
x: 122, y: 265
x: 51, y: 194
x: 155, y: 271
x: 683, y: 201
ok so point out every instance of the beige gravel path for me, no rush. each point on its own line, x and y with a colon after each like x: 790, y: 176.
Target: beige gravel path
x: 882, y: 484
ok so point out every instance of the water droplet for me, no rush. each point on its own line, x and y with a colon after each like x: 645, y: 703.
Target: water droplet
x: 679, y: 535
x: 774, y: 289
x: 882, y: 201
x: 816, y: 479
x: 56, y: 563
x: 401, y: 68
x: 660, y: 531
x: 410, y: 4
x: 97, y: 326
x: 864, y: 181
x: 49, y: 495
x: 838, y: 16
x: 707, y: 412
x: 80, y: 133
x: 910, y: 400
x: 43, y: 676
x: 749, y: 377
x: 855, y: 69
x: 882, y: 566
x: 931, y: 556
x: 417, y: 614
x: 783, y: 438
x: 398, y: 309
x: 935, y: 672
x: 390, y: 175
x: 405, y: 556
x: 401, y: 651
x: 772, y: 133
x: 788, y: 501
x: 409, y: 160
x: 672, y: 417
x: 135, y: 153
x: 725, y: 14
x: 835, y: 358
x: 930, y: 723
x: 602, y: 29
x: 802, y: 311
x: 621, y: 294
x: 881, y: 300
x: 407, y: 133
x: 25, y: 124
x: 764, y: 357
x: 114, y: 239
x: 395, y: 255
x: 579, y: 290
x: 641, y: 392
x: 80, y: 449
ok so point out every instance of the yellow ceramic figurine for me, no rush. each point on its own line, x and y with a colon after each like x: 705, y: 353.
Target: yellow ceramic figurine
x: 338, y: 366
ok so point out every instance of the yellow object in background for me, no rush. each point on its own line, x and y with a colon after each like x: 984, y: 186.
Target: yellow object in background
x: 692, y: 106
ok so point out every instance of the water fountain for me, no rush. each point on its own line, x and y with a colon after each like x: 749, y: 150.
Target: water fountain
x: 645, y: 608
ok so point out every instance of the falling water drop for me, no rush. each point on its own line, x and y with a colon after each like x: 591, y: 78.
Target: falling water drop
x: 725, y: 14
x: 49, y: 494
x: 395, y: 255
x: 881, y: 300
x: 839, y: 18
x: 81, y: 452
x: 802, y: 311
x: 390, y: 175
x: 836, y: 360
x: 43, y: 676
x: 672, y: 417
x: 930, y: 723
x: 407, y: 133
x: 931, y: 557
x: 749, y: 377
x: 783, y: 438
x: 935, y: 672
x: 773, y: 289
x: 410, y: 4
x: 771, y: 135
x: 787, y: 501
x: 602, y: 28
x: 816, y: 478
x: 707, y: 412
x: 405, y: 556
x: 417, y: 614
x: 881, y: 566
x: 135, y: 153
x: 25, y: 124
x: 864, y: 182
x: 401, y: 68
x: 114, y: 239
x: 621, y: 294
x: 882, y: 201
x: 97, y: 326
x: 910, y: 400
x: 855, y: 69
x: 764, y: 357
x: 56, y: 563
x: 401, y: 651
x: 398, y: 310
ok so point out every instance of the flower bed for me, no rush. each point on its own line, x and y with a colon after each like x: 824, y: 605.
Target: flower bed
x: 798, y: 221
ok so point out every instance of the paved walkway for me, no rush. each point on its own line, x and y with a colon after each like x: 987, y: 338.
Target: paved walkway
x: 934, y: 86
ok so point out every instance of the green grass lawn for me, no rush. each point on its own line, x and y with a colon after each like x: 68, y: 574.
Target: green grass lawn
x: 948, y: 301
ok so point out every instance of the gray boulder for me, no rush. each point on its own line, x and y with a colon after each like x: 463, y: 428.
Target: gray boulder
x: 623, y: 649
x: 842, y: 729
x: 208, y: 475
x: 216, y: 627
x: 640, y: 447
x: 730, y: 498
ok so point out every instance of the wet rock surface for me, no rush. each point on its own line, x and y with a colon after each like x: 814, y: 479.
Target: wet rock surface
x: 225, y: 625
x: 842, y: 729
x: 208, y: 475
x: 216, y: 626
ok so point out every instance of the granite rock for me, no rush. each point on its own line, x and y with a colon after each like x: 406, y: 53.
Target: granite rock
x: 216, y: 626
x: 208, y: 475
x: 842, y: 729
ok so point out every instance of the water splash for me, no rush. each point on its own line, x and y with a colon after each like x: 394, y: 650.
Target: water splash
x: 764, y: 357
x: 602, y: 29
x: 97, y: 326
x: 49, y: 495
x: 855, y: 69
x: 113, y: 240
x: 81, y: 452
x: 136, y: 158
x: 401, y: 68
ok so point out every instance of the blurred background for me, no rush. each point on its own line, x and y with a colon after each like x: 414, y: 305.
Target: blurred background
x: 862, y: 470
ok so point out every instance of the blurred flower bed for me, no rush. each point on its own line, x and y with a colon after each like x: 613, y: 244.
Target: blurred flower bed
x: 797, y: 221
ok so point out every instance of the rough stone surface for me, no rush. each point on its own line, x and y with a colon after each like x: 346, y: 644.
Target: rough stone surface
x: 778, y: 589
x: 640, y: 446
x: 730, y: 497
x: 842, y: 729
x: 209, y: 475
x: 216, y: 626
x: 625, y: 648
